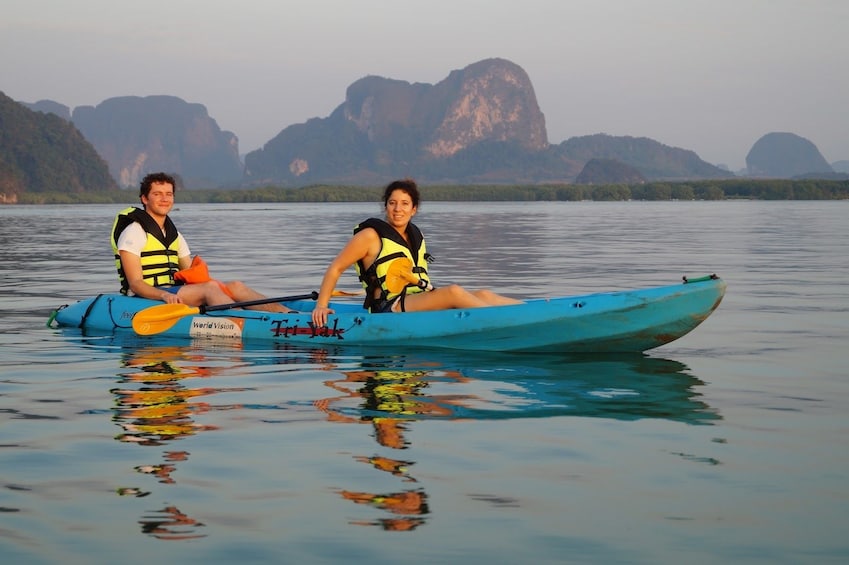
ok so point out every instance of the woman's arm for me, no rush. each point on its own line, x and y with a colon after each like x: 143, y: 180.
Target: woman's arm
x: 361, y: 246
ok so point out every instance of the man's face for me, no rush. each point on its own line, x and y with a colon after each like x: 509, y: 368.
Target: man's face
x: 160, y: 199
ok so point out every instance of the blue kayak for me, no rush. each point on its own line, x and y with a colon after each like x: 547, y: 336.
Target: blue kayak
x: 620, y: 321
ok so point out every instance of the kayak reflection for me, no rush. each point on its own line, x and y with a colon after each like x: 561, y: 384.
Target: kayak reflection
x: 424, y: 384
x: 501, y: 386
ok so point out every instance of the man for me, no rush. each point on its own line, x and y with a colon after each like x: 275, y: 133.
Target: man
x: 149, y: 251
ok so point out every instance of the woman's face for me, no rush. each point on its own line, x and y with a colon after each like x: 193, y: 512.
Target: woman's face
x: 399, y: 208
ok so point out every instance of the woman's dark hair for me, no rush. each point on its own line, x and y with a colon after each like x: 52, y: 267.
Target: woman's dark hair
x: 407, y: 185
x: 152, y: 178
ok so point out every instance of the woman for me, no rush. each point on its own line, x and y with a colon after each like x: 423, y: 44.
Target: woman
x: 383, y: 252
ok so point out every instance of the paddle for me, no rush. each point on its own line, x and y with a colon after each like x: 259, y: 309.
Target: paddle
x: 338, y: 292
x: 400, y: 274
x: 159, y: 318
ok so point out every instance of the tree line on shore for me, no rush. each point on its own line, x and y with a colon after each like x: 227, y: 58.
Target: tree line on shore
x: 731, y: 189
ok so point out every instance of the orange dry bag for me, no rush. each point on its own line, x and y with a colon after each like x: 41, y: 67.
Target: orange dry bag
x: 198, y: 272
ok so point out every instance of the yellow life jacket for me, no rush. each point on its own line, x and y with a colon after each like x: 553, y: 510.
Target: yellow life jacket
x: 392, y: 246
x: 159, y: 258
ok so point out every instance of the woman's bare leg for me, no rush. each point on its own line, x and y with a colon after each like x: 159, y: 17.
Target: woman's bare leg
x: 454, y: 296
x: 495, y: 299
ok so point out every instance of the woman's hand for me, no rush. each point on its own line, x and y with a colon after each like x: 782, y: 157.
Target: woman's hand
x: 319, y: 315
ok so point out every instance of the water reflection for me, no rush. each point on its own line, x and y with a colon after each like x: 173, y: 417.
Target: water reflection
x: 159, y: 398
x: 154, y: 407
x: 390, y: 393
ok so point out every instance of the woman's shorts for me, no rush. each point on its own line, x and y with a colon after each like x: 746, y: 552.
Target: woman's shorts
x: 384, y: 306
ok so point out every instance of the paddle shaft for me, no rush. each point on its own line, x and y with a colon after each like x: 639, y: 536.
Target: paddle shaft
x: 311, y: 296
x: 160, y: 318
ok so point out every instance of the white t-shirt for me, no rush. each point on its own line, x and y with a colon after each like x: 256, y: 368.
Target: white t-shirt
x: 133, y: 239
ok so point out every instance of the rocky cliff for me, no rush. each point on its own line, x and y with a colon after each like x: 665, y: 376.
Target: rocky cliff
x: 653, y: 160
x: 50, y: 107
x: 785, y: 155
x: 138, y: 135
x: 480, y: 124
x: 389, y: 127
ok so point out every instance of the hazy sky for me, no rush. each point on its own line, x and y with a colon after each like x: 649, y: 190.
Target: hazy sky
x: 708, y: 75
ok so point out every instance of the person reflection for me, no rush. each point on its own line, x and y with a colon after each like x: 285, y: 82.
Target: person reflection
x: 171, y: 524
x: 155, y: 414
x: 154, y: 407
x: 389, y: 400
x: 159, y: 410
x: 163, y: 471
x: 395, y: 467
x: 408, y: 508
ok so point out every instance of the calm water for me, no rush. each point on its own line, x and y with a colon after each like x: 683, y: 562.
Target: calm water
x: 729, y: 445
